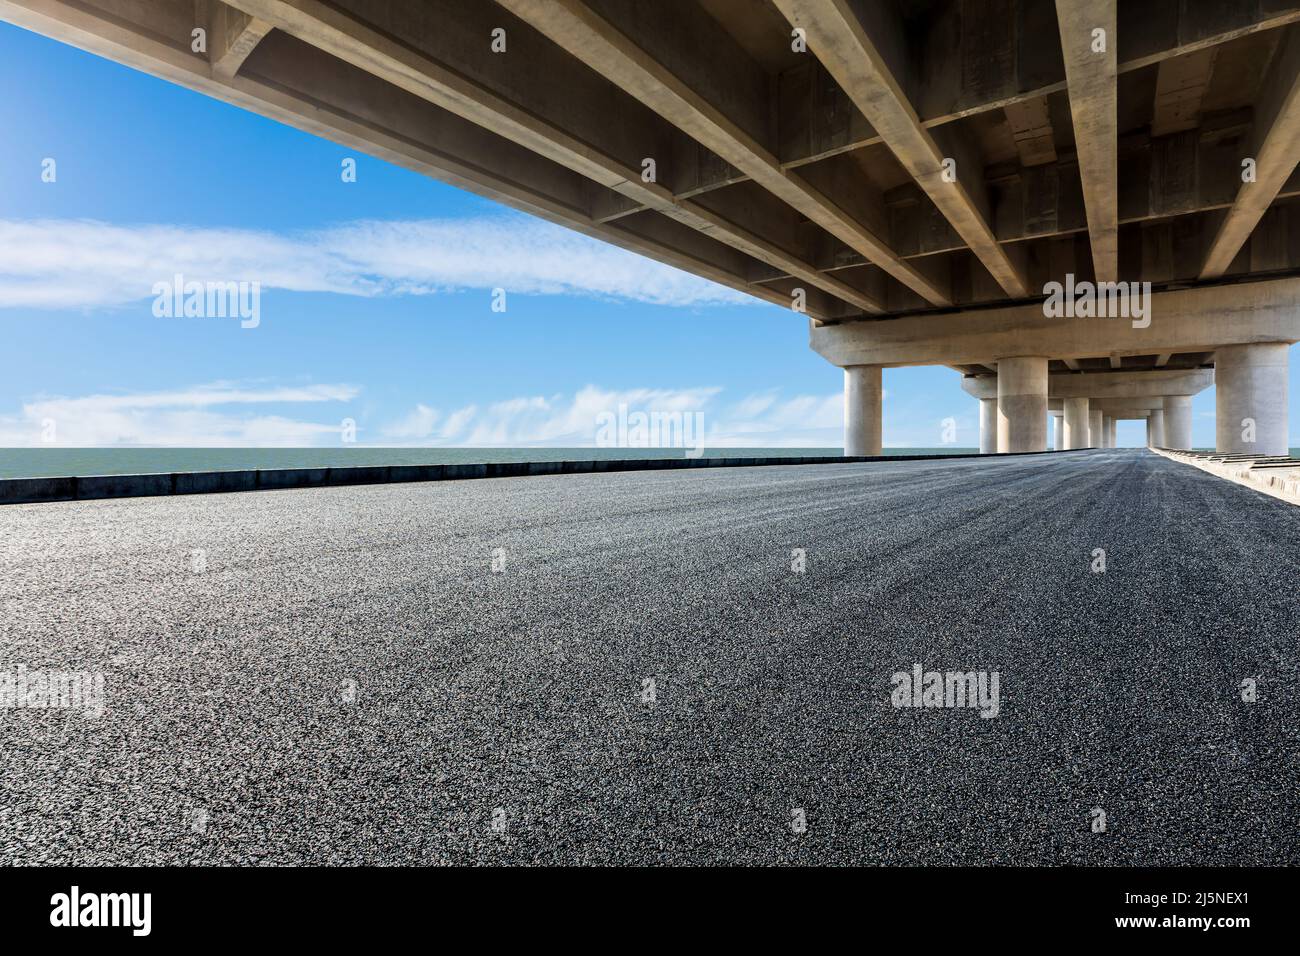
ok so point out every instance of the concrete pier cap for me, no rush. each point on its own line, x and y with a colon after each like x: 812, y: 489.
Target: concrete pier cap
x: 1095, y: 385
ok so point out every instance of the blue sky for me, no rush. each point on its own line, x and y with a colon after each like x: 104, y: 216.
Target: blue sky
x: 378, y: 307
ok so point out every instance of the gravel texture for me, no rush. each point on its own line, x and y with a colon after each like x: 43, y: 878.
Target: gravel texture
x: 340, y: 677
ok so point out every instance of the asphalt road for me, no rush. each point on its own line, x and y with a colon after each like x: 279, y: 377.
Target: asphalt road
x: 341, y: 677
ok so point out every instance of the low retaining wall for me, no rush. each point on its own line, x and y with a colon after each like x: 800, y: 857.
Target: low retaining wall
x: 88, y: 487
x: 1274, y: 476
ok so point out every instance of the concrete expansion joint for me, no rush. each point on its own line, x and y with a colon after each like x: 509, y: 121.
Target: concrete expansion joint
x: 1275, y: 475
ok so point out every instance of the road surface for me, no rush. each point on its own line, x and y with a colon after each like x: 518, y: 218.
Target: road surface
x: 339, y: 675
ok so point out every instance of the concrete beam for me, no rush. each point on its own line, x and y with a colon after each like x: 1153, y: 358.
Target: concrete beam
x: 1180, y: 86
x: 1182, y: 320
x: 580, y: 141
x: 232, y: 36
x: 963, y: 75
x: 1150, y: 33
x: 1115, y: 406
x: 1031, y: 128
x: 1129, y: 414
x: 1275, y: 150
x: 857, y: 43
x: 1144, y: 384
x: 1097, y: 385
x: 1089, y: 42
x: 1170, y: 182
x: 724, y: 106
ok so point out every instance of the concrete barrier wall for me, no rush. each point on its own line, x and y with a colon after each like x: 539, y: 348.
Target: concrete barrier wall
x: 1279, y: 477
x: 73, y: 488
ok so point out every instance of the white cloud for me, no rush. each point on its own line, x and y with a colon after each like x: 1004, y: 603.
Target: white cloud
x: 415, y: 426
x: 56, y: 264
x: 187, y: 417
x: 763, y: 420
x: 233, y: 414
x: 252, y: 415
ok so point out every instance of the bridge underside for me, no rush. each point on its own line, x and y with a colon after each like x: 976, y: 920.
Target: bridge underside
x: 913, y: 175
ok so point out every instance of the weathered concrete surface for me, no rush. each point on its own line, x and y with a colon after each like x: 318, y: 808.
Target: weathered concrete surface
x: 522, y: 690
x: 1091, y: 73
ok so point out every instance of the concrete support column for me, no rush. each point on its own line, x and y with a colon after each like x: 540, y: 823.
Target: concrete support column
x: 1251, y: 397
x: 862, y: 418
x: 1078, y: 423
x: 988, y: 426
x: 1178, y: 421
x: 1100, y: 439
x: 1058, y: 430
x: 1094, y: 429
x: 1112, y: 433
x: 1022, y: 404
x: 1156, y: 429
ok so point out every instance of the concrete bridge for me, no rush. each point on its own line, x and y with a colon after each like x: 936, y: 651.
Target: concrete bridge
x: 375, y: 703
x: 919, y: 177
